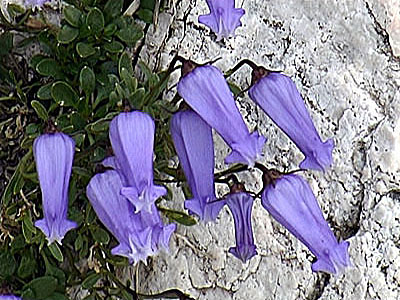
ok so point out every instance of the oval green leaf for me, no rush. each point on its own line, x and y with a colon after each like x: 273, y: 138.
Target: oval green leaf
x: 95, y: 20
x: 130, y: 34
x: 91, y: 280
x: 72, y: 15
x: 125, y: 62
x: 44, y: 93
x: 56, y: 252
x: 48, y: 67
x: 114, y: 47
x: 67, y: 34
x: 84, y: 50
x: 64, y: 94
x: 41, y: 287
x: 40, y: 110
x: 87, y: 80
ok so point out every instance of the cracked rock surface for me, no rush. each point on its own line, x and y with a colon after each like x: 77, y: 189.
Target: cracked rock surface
x: 344, y: 59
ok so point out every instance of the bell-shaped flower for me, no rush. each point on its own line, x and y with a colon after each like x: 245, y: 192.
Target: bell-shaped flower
x: 117, y: 214
x: 241, y: 204
x: 223, y: 18
x: 54, y: 154
x: 278, y: 96
x: 132, y: 139
x: 290, y: 200
x: 207, y: 93
x: 195, y: 148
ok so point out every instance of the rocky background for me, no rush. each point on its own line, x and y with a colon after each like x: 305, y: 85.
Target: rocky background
x: 345, y: 59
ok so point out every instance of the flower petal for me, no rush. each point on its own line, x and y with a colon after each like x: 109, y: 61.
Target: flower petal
x: 278, y: 96
x: 207, y: 93
x: 54, y: 153
x: 292, y: 203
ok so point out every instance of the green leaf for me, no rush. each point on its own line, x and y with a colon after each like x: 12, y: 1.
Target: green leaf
x: 27, y: 266
x: 110, y: 29
x: 41, y: 287
x: 72, y: 15
x: 67, y: 34
x: 95, y: 20
x: 91, y: 280
x: 44, y: 92
x: 85, y: 50
x: 178, y: 216
x: 56, y: 252
x: 87, y: 80
x: 114, y: 47
x: 234, y: 89
x: 40, y: 110
x: 130, y: 34
x: 113, y: 8
x: 100, y: 235
x: 6, y: 42
x: 99, y: 126
x: 146, y: 15
x: 48, y: 67
x: 7, y: 264
x: 64, y: 94
x: 125, y: 62
x: 77, y: 121
x: 54, y: 272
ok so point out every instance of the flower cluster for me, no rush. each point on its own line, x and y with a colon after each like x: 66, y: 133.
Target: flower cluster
x: 124, y: 198
x: 287, y: 197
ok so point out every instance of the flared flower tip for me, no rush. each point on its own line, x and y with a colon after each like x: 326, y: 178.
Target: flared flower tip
x: 223, y: 18
x: 206, y: 210
x: 320, y: 157
x: 333, y: 261
x: 243, y: 252
x: 138, y: 247
x: 247, y: 151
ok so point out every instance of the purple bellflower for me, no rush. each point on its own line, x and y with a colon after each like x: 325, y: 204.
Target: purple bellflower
x: 54, y: 153
x: 117, y: 214
x: 9, y: 297
x: 207, y: 93
x: 223, y: 18
x: 195, y: 148
x: 278, y: 96
x: 240, y: 203
x: 132, y: 139
x: 290, y: 200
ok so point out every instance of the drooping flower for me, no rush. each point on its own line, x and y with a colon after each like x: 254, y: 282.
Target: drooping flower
x: 195, y: 148
x: 132, y: 139
x: 241, y: 204
x: 140, y: 234
x: 290, y: 200
x: 207, y: 93
x: 223, y: 18
x: 54, y: 153
x: 278, y: 96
